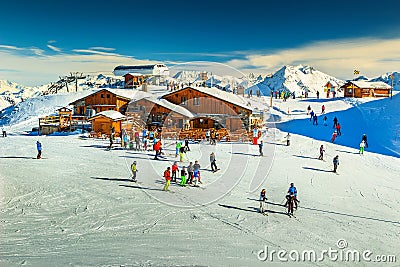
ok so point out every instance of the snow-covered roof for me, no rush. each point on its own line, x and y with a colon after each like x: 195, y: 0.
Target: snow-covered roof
x: 374, y: 85
x: 171, y: 106
x: 111, y: 114
x: 126, y: 93
x: 225, y: 96
x: 134, y: 74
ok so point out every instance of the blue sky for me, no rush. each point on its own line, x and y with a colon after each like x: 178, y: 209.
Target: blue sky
x: 48, y: 38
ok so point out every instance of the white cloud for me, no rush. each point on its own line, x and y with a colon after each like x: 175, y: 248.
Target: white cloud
x: 102, y: 48
x: 55, y: 49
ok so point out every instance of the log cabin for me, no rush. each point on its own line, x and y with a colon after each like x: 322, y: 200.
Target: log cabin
x: 104, y: 99
x: 103, y: 122
x: 361, y: 89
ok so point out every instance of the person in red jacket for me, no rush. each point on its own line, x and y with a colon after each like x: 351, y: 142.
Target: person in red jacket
x: 338, y: 129
x: 157, y: 149
x: 334, y: 136
x: 167, y: 176
x: 174, y: 170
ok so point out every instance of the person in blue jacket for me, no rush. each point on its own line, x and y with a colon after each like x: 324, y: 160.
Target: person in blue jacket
x: 292, y: 192
x: 39, y: 149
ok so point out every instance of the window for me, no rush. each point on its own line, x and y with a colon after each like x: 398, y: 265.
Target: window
x: 196, y: 101
x: 102, y: 95
x: 183, y: 100
x: 108, y: 95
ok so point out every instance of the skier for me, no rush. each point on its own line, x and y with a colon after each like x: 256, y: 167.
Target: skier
x: 167, y: 176
x: 263, y: 199
x: 362, y: 146
x: 323, y: 109
x: 317, y: 94
x: 134, y: 170
x: 174, y: 170
x: 260, y: 147
x: 292, y: 195
x: 190, y: 172
x: 39, y: 149
x: 177, y: 147
x: 183, y: 176
x: 187, y: 145
x: 3, y: 130
x: 181, y: 152
x: 212, y: 160
x: 312, y: 114
x: 208, y: 133
x: 287, y: 139
x: 364, y: 138
x: 137, y: 141
x: 196, y: 170
x: 335, y: 120
x: 315, y: 119
x: 325, y: 119
x: 338, y: 127
x: 334, y: 136
x: 335, y: 163
x: 321, y: 152
x: 157, y: 147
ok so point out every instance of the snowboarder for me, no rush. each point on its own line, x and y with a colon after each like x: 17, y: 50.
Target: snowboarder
x: 333, y: 136
x: 167, y: 176
x: 212, y: 160
x: 364, y: 138
x: 325, y: 119
x: 260, y: 147
x: 323, y: 109
x: 174, y: 170
x: 39, y: 150
x: 287, y: 139
x: 134, y: 170
x: 335, y: 163
x: 338, y: 127
x: 183, y: 176
x: 263, y: 199
x: 335, y: 121
x: 190, y: 172
x: 312, y: 114
x: 362, y: 146
x: 315, y: 119
x: 321, y: 152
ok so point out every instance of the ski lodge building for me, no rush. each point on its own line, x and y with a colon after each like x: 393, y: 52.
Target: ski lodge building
x: 362, y: 89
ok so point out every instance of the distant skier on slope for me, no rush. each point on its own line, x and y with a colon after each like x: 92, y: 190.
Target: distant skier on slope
x: 134, y: 170
x: 263, y: 199
x: 364, y: 138
x: 321, y: 152
x: 335, y: 163
x: 362, y: 146
x: 39, y: 149
x: 334, y: 135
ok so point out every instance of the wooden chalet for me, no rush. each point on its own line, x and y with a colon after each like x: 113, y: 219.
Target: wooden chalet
x: 102, y: 100
x: 331, y: 86
x: 213, y: 108
x: 155, y: 111
x: 361, y: 89
x: 133, y: 80
x: 103, y: 122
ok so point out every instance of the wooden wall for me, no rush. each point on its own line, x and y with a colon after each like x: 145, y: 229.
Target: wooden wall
x: 98, y: 99
x: 102, y: 125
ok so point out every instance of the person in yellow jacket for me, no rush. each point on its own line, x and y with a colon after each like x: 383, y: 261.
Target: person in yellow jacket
x: 134, y: 171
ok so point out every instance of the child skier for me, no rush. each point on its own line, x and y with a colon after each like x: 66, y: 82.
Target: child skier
x: 174, y: 170
x: 167, y: 176
x: 263, y: 199
x: 362, y: 146
x: 134, y: 170
x: 183, y: 176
